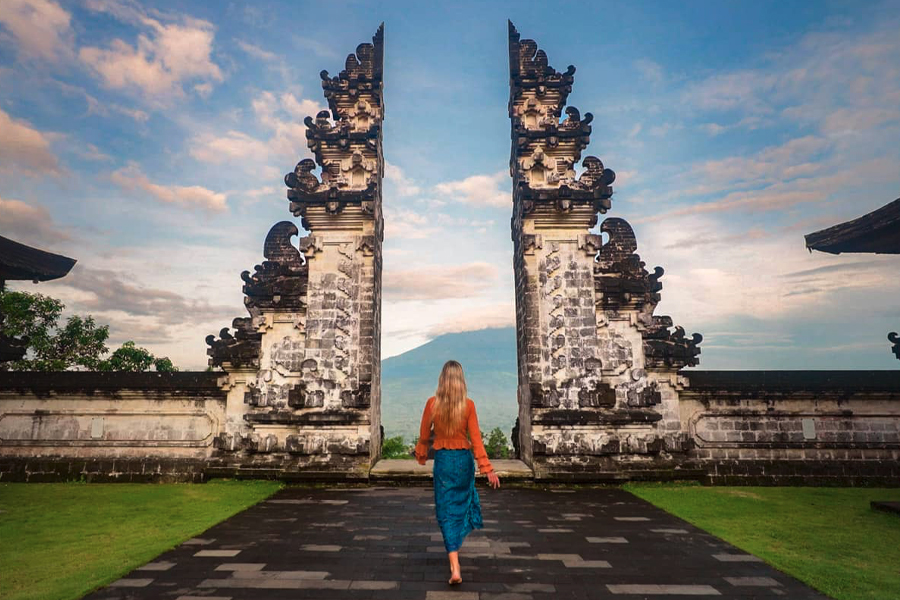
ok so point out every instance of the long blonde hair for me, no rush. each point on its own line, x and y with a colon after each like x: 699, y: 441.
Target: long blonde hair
x: 450, y: 399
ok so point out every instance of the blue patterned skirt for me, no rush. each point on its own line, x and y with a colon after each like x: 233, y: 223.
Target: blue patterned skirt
x: 456, y: 500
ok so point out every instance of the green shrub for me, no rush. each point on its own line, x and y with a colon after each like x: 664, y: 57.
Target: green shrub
x: 395, y: 447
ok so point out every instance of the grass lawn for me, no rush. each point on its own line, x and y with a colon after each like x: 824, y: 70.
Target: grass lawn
x: 828, y: 538
x: 60, y: 541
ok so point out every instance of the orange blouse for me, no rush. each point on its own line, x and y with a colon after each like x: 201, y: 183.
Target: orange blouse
x: 458, y: 440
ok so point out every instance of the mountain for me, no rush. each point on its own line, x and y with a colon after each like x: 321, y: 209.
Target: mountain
x: 488, y: 358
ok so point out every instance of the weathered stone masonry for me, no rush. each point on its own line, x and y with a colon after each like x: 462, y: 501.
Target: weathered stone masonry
x: 597, y: 370
x: 108, y: 426
x: 304, y: 368
x: 794, y: 427
x: 602, y: 392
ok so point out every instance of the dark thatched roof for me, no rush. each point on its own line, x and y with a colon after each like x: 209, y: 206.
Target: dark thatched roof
x: 876, y: 232
x: 18, y: 261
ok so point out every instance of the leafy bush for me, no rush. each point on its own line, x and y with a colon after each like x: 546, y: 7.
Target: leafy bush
x: 496, y: 444
x: 395, y: 447
x: 80, y: 343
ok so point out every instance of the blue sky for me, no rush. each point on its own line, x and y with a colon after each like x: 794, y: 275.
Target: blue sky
x: 149, y: 141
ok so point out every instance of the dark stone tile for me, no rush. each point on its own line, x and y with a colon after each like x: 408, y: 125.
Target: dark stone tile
x: 294, y: 535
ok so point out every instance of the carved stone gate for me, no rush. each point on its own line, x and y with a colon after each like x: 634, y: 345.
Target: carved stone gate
x: 598, y: 374
x: 303, y: 370
x: 597, y: 370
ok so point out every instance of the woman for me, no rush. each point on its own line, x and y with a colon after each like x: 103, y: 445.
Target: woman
x: 452, y: 415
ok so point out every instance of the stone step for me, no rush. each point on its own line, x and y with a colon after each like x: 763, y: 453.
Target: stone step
x: 392, y: 469
x: 621, y: 476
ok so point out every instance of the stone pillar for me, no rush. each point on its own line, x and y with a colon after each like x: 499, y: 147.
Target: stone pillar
x: 303, y: 371
x: 595, y: 391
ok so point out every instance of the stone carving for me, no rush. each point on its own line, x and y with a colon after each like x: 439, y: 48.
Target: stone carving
x: 280, y: 281
x: 346, y: 140
x: 670, y: 349
x: 238, y: 350
x: 619, y: 275
x: 596, y: 368
x: 313, y: 336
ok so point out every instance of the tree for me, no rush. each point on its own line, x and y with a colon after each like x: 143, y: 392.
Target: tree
x: 395, y: 447
x: 496, y: 444
x: 78, y: 344
x: 133, y: 358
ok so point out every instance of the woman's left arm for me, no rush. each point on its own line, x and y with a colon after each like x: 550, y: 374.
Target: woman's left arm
x: 424, y: 434
x: 481, y: 457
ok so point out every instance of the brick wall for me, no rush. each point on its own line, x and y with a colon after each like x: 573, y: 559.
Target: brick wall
x: 794, y: 427
x: 108, y: 426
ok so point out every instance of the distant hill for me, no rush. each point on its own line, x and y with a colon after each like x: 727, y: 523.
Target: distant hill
x: 489, y: 360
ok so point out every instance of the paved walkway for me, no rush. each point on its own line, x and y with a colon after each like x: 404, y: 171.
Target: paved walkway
x: 384, y: 543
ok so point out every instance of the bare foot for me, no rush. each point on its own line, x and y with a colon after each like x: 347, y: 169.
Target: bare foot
x: 455, y: 578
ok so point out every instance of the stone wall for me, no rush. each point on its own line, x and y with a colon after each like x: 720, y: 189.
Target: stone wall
x: 597, y: 369
x: 744, y: 427
x: 794, y: 427
x: 108, y: 426
x: 304, y: 370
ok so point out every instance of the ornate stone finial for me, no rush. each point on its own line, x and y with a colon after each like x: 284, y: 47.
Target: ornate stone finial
x: 346, y: 139
x: 240, y: 350
x: 545, y: 150
x: 666, y: 349
x: 620, y: 278
x: 280, y: 282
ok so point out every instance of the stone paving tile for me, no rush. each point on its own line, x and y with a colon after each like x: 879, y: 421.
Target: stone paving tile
x: 752, y: 581
x: 664, y: 590
x: 736, y: 558
x: 131, y: 583
x: 241, y: 567
x: 218, y: 553
x: 156, y: 566
x: 310, y: 544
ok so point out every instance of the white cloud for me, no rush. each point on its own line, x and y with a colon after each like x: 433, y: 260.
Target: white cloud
x: 194, y: 196
x: 115, y: 291
x: 231, y: 146
x: 795, y: 158
x: 28, y: 223
x: 439, y: 282
x: 404, y: 185
x: 40, y: 28
x: 23, y: 148
x: 92, y: 152
x: 716, y: 270
x: 479, y: 190
x: 796, y: 187
x: 476, y: 318
x: 407, y: 224
x: 165, y: 57
x: 257, y: 52
x: 651, y: 70
x: 298, y: 109
x: 96, y: 107
x: 836, y: 81
x: 282, y: 115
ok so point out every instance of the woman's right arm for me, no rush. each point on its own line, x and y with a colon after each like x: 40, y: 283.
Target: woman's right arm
x: 424, y: 433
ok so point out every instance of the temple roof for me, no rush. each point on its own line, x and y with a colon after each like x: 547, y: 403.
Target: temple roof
x: 876, y: 232
x: 18, y: 261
